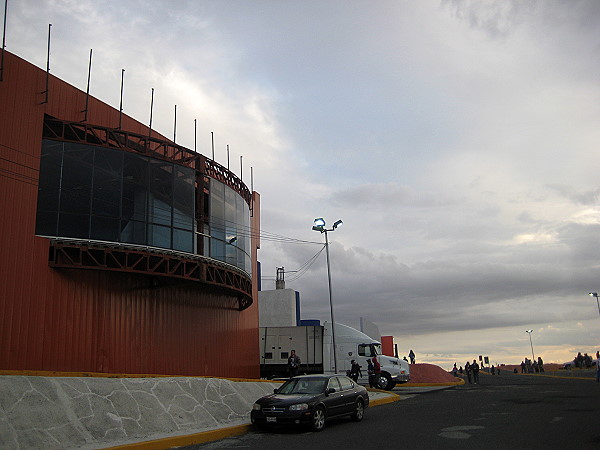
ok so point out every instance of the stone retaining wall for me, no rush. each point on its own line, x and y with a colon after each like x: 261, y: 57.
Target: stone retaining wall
x: 84, y: 412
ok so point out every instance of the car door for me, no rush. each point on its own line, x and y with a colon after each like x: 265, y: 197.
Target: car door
x: 348, y: 394
x: 334, y: 402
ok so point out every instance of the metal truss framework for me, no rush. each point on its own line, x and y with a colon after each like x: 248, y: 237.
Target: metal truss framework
x: 85, y: 133
x: 88, y: 255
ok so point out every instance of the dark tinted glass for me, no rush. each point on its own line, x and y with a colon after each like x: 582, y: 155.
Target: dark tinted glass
x: 183, y: 240
x: 105, y: 229
x: 161, y: 192
x: 48, y: 188
x: 46, y: 222
x: 135, y: 187
x: 183, y: 198
x: 229, y: 226
x: 133, y: 232
x: 159, y: 236
x: 76, y: 185
x: 106, y: 192
x: 111, y: 195
x: 74, y: 225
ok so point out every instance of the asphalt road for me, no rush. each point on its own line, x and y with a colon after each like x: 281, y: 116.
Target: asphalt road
x: 503, y: 412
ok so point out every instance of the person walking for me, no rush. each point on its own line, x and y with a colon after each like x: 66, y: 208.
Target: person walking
x: 468, y: 371
x: 376, y: 371
x: 475, y: 369
x: 355, y: 372
x: 597, y: 367
x: 411, y: 355
x: 293, y: 364
x: 371, y: 373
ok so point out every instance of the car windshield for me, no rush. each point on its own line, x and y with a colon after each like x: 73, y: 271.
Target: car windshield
x: 303, y: 386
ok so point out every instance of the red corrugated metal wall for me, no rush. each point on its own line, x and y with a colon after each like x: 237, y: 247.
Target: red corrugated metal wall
x: 87, y: 320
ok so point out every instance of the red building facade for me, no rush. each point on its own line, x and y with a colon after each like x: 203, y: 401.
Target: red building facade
x: 122, y: 252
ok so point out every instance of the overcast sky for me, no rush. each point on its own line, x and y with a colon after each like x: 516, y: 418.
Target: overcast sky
x: 457, y: 140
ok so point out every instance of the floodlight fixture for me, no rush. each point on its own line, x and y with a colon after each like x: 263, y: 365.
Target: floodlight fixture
x: 337, y: 224
x: 595, y: 295
x: 319, y: 222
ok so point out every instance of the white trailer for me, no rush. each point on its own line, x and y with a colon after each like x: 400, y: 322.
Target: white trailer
x: 314, y: 346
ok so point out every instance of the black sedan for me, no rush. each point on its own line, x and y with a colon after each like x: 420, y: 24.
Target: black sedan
x: 311, y: 400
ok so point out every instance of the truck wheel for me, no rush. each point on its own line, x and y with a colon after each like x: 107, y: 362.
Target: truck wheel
x: 385, y: 382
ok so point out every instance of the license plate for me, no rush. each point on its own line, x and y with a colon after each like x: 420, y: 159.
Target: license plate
x: 271, y: 419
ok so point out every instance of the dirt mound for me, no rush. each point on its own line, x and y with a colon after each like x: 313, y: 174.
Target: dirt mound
x: 429, y: 373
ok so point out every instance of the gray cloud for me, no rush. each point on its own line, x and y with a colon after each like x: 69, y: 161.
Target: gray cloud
x: 582, y: 198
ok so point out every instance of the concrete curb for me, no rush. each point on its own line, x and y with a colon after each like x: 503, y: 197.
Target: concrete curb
x: 460, y: 382
x: 384, y: 401
x: 190, y: 439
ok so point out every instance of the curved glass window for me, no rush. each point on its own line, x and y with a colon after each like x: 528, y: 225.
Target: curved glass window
x: 229, y: 227
x: 98, y: 193
x: 103, y: 194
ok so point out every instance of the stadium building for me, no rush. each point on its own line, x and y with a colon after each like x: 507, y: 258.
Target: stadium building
x: 122, y: 252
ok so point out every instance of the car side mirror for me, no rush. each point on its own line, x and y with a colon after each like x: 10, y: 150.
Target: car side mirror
x: 330, y: 391
x: 275, y: 391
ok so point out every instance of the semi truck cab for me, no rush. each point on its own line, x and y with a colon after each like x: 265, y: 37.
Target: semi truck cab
x: 353, y: 344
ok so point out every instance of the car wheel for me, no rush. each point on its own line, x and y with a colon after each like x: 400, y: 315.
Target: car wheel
x: 385, y: 382
x: 318, y: 419
x: 359, y: 411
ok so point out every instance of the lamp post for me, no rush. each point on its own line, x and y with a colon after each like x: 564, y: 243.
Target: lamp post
x: 531, y: 342
x: 595, y: 294
x: 319, y: 225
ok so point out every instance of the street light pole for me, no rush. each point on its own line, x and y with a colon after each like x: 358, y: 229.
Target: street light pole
x: 531, y: 343
x: 595, y: 294
x: 319, y: 225
x: 331, y: 303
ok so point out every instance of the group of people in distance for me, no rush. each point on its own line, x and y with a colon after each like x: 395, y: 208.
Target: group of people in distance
x: 527, y: 366
x: 584, y: 361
